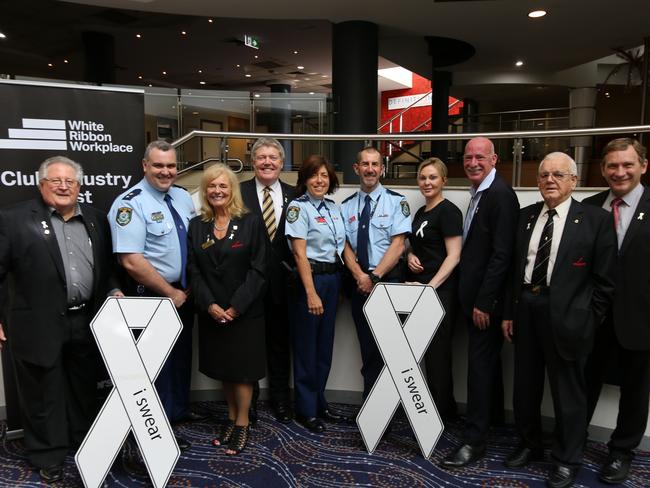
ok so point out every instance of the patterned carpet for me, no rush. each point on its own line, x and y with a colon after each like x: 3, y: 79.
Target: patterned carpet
x: 287, y: 455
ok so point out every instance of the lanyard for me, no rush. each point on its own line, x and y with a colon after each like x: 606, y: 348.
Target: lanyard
x: 372, y: 212
x: 332, y: 227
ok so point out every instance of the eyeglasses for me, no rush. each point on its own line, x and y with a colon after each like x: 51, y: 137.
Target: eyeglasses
x: 556, y: 175
x: 58, y: 182
x: 262, y: 157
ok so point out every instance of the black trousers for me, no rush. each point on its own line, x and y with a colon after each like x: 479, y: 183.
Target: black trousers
x: 59, y: 402
x: 634, y: 367
x: 535, y: 351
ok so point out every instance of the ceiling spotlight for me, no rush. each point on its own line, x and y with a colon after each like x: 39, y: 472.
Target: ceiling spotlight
x: 248, y: 75
x: 2, y: 36
x: 200, y: 71
x: 139, y: 36
x: 239, y: 65
x: 50, y: 65
x: 295, y: 52
x: 536, y: 14
x: 256, y: 56
x: 519, y: 63
x: 210, y: 20
x: 164, y: 72
x: 183, y: 33
x: 257, y: 95
x: 300, y: 67
x: 65, y: 61
x: 607, y: 95
x: 311, y: 93
x: 150, y: 84
x: 140, y: 77
x: 201, y: 82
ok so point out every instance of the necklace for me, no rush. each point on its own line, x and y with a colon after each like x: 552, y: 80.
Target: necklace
x: 221, y: 229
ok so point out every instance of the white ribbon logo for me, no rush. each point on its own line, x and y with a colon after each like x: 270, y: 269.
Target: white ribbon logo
x: 402, y: 347
x: 133, y: 404
x: 420, y: 231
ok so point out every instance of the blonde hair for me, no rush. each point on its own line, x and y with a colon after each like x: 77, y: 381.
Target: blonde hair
x: 436, y: 163
x: 235, y: 205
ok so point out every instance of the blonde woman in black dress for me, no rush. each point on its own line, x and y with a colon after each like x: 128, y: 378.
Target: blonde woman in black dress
x: 227, y: 264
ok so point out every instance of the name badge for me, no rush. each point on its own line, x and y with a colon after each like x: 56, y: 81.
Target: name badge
x: 320, y: 220
x: 207, y: 244
x: 157, y: 216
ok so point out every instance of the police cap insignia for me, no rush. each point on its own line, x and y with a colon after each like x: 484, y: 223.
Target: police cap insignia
x: 123, y: 216
x: 406, y: 210
x: 292, y: 213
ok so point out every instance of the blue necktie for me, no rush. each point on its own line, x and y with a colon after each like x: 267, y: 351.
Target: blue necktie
x: 362, y: 236
x: 182, y: 237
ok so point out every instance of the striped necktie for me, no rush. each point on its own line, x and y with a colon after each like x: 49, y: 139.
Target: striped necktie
x: 540, y: 270
x: 268, y: 213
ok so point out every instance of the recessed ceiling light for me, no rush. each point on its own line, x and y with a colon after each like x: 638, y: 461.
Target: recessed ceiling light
x: 519, y: 63
x: 140, y: 77
x: 257, y: 95
x: 2, y: 36
x: 139, y: 36
x: 65, y: 61
x: 201, y: 82
x: 248, y: 75
x: 295, y: 52
x: 150, y: 84
x: 164, y: 72
x: 300, y: 67
x: 50, y: 65
x: 311, y: 93
x: 256, y: 56
x: 239, y: 65
x: 200, y: 71
x: 210, y: 20
x: 183, y: 33
x: 536, y: 14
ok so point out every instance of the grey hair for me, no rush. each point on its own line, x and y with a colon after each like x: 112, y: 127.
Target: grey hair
x: 160, y: 144
x: 43, y: 168
x: 573, y: 167
x: 268, y: 142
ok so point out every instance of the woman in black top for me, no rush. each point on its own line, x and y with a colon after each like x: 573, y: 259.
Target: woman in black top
x: 227, y: 264
x: 435, y: 244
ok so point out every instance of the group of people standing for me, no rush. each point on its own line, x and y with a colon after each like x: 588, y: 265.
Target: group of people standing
x: 262, y: 266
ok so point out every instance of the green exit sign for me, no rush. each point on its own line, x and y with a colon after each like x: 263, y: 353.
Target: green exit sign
x: 251, y: 41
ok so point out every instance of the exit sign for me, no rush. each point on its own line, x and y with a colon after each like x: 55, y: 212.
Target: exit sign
x: 251, y: 41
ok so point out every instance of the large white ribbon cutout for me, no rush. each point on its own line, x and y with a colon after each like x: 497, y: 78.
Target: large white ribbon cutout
x: 402, y: 348
x: 133, y: 404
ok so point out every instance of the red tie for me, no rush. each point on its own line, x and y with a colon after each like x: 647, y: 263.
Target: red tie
x: 616, y: 202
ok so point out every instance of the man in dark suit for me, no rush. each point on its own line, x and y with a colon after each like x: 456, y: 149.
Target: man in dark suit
x: 626, y: 331
x: 488, y: 238
x: 562, y: 287
x: 267, y: 195
x: 57, y: 255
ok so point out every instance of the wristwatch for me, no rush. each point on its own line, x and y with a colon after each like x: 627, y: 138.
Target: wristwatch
x: 374, y: 278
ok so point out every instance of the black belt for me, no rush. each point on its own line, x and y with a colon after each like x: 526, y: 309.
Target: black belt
x: 318, y: 267
x: 77, y: 308
x: 536, y: 289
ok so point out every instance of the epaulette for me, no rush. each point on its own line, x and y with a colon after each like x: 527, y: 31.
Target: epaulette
x: 350, y: 197
x: 179, y: 186
x: 132, y: 194
x: 302, y: 198
x: 330, y: 200
x: 394, y: 193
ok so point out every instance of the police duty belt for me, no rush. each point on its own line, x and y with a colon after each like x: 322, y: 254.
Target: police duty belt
x: 133, y: 404
x: 402, y: 346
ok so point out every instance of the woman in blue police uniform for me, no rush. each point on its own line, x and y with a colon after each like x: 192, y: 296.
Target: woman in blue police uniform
x: 316, y: 234
x: 227, y: 266
x: 436, y: 241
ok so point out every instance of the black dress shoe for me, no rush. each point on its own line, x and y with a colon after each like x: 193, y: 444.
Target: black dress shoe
x: 51, y: 474
x: 562, y: 476
x: 183, y: 444
x: 522, y: 456
x: 615, y: 470
x: 195, y: 417
x: 312, y: 424
x: 463, y: 456
x: 282, y: 413
x: 331, y: 416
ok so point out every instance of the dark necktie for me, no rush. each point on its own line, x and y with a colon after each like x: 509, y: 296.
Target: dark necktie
x: 182, y: 237
x: 543, y: 251
x: 362, y: 235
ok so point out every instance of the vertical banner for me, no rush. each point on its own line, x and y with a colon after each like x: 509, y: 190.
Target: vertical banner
x: 100, y: 128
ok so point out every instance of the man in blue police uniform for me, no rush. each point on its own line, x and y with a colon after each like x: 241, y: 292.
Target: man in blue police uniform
x: 377, y: 221
x: 149, y: 230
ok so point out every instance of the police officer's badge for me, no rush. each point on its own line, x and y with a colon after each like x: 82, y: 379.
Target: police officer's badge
x: 406, y: 210
x: 292, y: 214
x: 123, y: 215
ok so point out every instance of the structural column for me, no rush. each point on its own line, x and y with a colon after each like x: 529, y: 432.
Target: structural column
x: 99, y: 57
x: 440, y: 84
x: 354, y: 89
x: 280, y: 119
x: 582, y: 115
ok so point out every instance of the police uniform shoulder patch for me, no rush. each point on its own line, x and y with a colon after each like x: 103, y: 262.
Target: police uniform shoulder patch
x: 123, y: 216
x: 292, y: 213
x: 350, y: 197
x: 132, y: 194
x: 406, y: 210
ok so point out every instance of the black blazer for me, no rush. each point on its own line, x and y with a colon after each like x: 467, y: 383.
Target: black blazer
x: 31, y: 259
x: 233, y: 276
x: 487, y: 251
x: 277, y: 272
x: 632, y: 294
x: 582, y: 283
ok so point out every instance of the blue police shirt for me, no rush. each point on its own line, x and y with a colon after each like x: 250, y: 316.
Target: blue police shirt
x: 321, y: 226
x: 390, y: 216
x: 141, y: 223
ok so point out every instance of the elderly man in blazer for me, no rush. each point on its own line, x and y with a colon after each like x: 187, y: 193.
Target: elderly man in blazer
x: 626, y: 332
x: 57, y: 253
x: 562, y: 287
x: 488, y: 238
x: 267, y: 195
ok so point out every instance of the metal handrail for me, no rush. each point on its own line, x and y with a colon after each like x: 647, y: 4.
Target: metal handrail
x: 209, y: 160
x: 403, y: 110
x: 416, y: 136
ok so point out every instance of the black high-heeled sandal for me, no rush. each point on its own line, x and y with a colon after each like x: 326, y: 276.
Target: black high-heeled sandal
x: 238, y: 440
x: 225, y: 433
